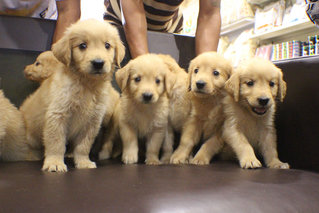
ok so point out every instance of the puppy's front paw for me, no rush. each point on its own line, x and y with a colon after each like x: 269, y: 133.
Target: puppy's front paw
x: 198, y: 160
x: 104, y: 154
x: 54, y: 165
x: 166, y: 158
x: 179, y: 158
x: 106, y: 151
x: 250, y: 163
x: 277, y: 164
x: 129, y: 158
x: 85, y: 164
x: 152, y: 161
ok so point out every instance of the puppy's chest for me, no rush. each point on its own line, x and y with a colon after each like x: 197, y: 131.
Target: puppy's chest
x: 145, y: 120
x: 253, y: 129
x: 85, y: 110
x: 208, y: 114
x: 214, y: 122
x: 84, y: 104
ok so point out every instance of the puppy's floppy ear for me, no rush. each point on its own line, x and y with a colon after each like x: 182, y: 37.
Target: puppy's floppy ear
x: 62, y: 50
x: 232, y: 86
x: 189, y: 80
x: 119, y: 52
x: 122, y: 76
x: 190, y: 72
x: 170, y: 63
x: 282, y: 87
x: 229, y: 69
x: 170, y: 80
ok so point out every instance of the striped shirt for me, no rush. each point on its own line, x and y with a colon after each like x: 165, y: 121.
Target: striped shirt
x: 161, y: 15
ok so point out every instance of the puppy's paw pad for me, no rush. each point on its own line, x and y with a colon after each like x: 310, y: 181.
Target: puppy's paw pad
x: 279, y: 165
x: 87, y: 164
x: 250, y: 163
x: 54, y: 167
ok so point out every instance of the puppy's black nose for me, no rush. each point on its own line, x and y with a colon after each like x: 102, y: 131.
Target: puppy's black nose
x: 97, y: 64
x: 147, y: 96
x: 263, y: 101
x: 200, y: 84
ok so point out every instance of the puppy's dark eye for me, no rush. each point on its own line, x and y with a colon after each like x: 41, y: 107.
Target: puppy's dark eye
x: 37, y: 64
x: 196, y: 70
x: 82, y: 46
x: 215, y: 73
x: 137, y: 79
x: 107, y: 45
x: 157, y: 81
x: 250, y: 83
x: 271, y: 83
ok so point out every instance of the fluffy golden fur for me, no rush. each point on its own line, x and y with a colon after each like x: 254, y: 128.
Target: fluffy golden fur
x: 143, y: 108
x: 110, y: 124
x: 70, y: 105
x: 13, y: 146
x: 43, y: 67
x: 207, y: 75
x: 179, y: 105
x: 249, y: 110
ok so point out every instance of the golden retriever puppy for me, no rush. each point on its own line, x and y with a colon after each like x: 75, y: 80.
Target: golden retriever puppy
x: 179, y: 105
x: 249, y: 111
x: 179, y: 108
x: 13, y: 146
x: 70, y: 105
x: 43, y: 67
x: 207, y: 73
x: 143, y: 108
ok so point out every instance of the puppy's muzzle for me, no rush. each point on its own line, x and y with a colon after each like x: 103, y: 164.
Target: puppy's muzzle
x: 200, y: 84
x: 147, y: 97
x: 97, y: 65
x: 263, y: 101
x: 262, y: 109
x: 27, y: 72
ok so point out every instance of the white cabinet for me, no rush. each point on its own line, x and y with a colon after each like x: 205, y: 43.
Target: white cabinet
x: 299, y: 30
x: 238, y: 25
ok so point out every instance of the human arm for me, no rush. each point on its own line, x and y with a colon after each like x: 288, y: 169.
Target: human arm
x: 208, y: 26
x: 135, y: 26
x: 69, y: 11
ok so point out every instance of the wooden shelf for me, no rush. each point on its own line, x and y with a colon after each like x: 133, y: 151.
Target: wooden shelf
x: 291, y: 29
x: 308, y: 57
x: 237, y: 25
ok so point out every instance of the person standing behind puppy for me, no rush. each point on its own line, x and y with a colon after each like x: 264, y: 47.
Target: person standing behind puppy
x: 66, y: 12
x: 138, y: 16
x: 69, y: 12
x: 32, y: 8
x: 157, y: 15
